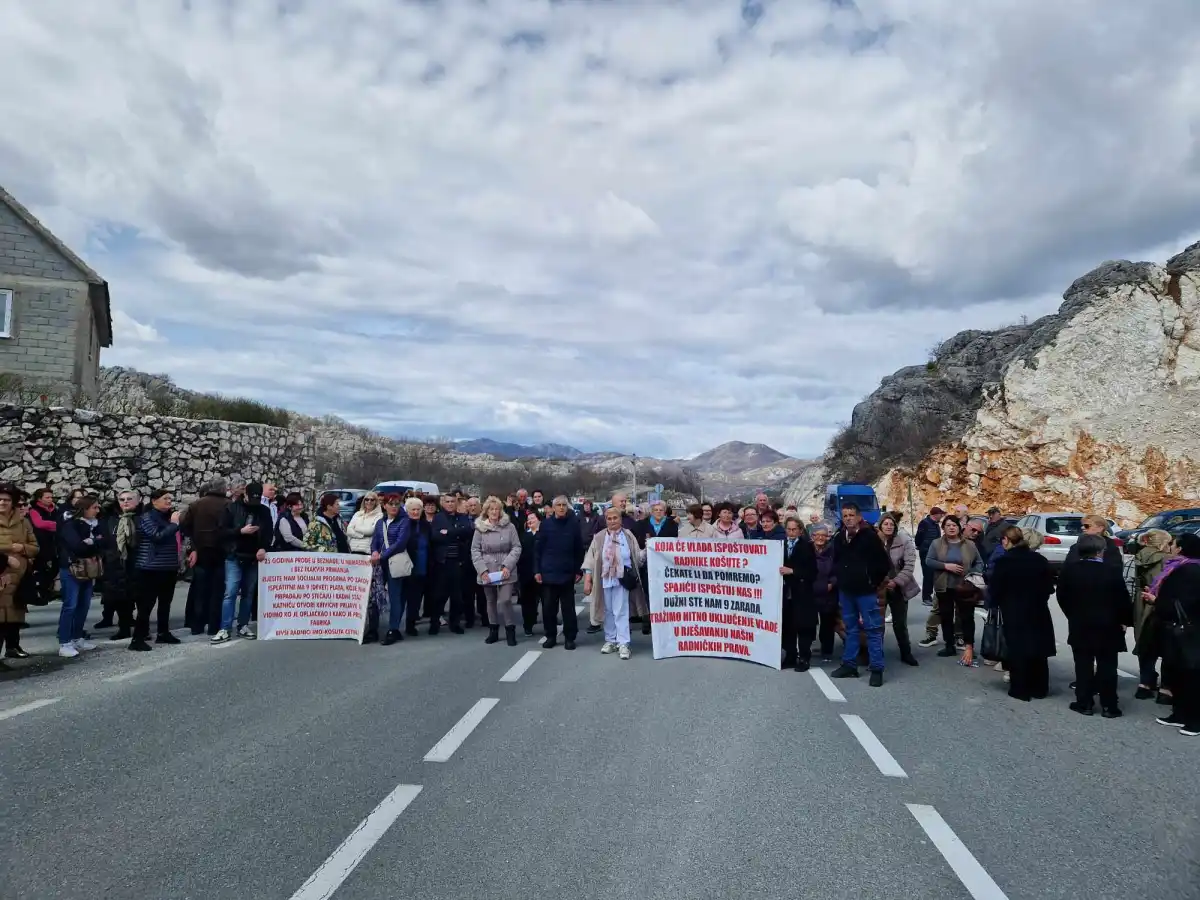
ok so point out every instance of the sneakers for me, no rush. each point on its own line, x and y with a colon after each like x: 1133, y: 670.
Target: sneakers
x: 609, y: 647
x: 246, y: 632
x: 844, y: 671
x: 591, y: 629
x: 930, y: 641
x: 1190, y: 730
x: 83, y: 644
x: 221, y: 637
x: 69, y: 651
x: 1171, y: 721
x: 959, y: 642
x: 624, y: 652
x: 887, y: 620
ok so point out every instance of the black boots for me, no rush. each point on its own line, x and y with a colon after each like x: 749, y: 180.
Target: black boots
x: 391, y: 637
x: 493, y: 634
x: 510, y: 635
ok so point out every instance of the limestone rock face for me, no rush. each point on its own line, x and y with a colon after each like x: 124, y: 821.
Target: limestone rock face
x: 1096, y: 411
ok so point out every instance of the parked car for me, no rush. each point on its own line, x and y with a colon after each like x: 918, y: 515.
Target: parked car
x: 1061, y: 530
x: 1165, y: 520
x: 347, y: 500
x: 403, y: 486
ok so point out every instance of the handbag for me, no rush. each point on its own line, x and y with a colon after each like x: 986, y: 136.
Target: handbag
x: 628, y: 579
x: 1185, y: 638
x: 88, y: 568
x: 399, y: 564
x: 992, y: 646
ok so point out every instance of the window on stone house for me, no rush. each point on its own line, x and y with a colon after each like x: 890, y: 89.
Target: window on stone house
x: 6, y: 305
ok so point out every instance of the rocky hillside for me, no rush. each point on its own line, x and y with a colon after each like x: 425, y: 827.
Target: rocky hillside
x: 1093, y: 408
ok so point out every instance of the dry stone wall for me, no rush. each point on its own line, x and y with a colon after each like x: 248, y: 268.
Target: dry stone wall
x: 66, y: 448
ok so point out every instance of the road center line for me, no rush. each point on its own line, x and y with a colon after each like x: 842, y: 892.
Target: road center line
x: 972, y: 875
x: 521, y: 666
x: 883, y: 760
x: 28, y: 707
x: 1125, y: 674
x: 153, y: 667
x: 444, y: 749
x: 828, y: 688
x: 331, y: 873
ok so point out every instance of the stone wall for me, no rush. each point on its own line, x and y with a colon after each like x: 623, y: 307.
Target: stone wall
x: 78, y: 448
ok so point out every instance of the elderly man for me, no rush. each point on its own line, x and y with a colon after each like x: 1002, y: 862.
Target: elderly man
x: 813, y: 521
x: 558, y: 554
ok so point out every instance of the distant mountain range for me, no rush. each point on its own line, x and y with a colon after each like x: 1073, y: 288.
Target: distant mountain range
x: 506, y: 450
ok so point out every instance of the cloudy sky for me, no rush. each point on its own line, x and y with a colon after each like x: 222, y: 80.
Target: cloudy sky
x: 634, y: 224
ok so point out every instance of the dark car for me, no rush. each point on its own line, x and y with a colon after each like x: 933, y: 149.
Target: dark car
x: 1167, y: 521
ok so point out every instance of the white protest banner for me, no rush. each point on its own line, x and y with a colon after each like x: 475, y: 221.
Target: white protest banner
x: 716, y: 598
x: 302, y: 596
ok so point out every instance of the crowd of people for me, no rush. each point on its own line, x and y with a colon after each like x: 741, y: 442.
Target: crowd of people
x: 454, y: 559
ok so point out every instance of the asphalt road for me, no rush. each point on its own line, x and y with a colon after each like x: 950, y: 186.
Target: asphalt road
x: 298, y: 770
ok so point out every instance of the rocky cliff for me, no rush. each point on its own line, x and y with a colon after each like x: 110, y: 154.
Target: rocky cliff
x: 1093, y: 408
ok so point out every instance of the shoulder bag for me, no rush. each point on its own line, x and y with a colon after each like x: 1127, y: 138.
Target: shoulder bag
x: 399, y: 564
x: 1185, y: 636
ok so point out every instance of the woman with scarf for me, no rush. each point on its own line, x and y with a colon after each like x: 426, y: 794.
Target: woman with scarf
x: 1175, y: 594
x: 612, y: 553
x: 901, y: 585
x: 19, y: 544
x: 118, y: 524
x: 80, y: 554
x: 1155, y: 547
x: 496, y: 550
x: 388, y: 543
x: 726, y: 529
x: 43, y: 515
x: 417, y: 585
x: 825, y: 594
x: 325, y: 534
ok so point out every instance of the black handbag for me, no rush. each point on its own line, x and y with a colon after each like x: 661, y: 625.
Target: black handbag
x: 992, y: 646
x: 1185, y: 640
x: 628, y: 579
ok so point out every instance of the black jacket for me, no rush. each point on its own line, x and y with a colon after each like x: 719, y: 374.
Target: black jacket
x: 1096, y: 602
x: 235, y: 517
x: 992, y: 536
x: 803, y: 563
x: 525, y: 567
x: 1021, y: 586
x: 450, y: 538
x: 862, y: 563
x: 1112, y: 555
x: 928, y: 531
x: 1181, y: 584
x: 643, y: 532
x: 559, y: 549
x: 71, y: 536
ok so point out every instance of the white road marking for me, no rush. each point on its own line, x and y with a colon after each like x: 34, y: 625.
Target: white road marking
x: 28, y: 707
x: 521, y: 666
x: 828, y: 688
x: 232, y: 642
x: 578, y: 610
x: 153, y: 667
x: 444, y: 749
x: 1125, y: 674
x: 883, y: 760
x: 974, y: 878
x: 331, y: 873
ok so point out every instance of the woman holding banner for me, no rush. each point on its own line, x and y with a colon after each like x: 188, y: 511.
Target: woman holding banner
x: 495, y: 551
x: 615, y: 558
x: 389, y: 551
x: 726, y: 529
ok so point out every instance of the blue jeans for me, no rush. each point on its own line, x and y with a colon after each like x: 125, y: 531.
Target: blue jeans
x: 866, y: 606
x: 395, y: 588
x: 76, y: 601
x: 239, y: 575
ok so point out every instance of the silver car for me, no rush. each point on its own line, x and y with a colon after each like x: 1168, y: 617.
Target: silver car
x: 1061, y: 531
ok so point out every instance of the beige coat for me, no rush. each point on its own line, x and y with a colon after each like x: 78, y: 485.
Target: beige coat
x: 594, y: 564
x: 496, y: 547
x: 16, y: 529
x: 687, y: 530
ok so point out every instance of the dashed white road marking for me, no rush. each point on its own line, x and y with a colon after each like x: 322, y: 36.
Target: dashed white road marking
x: 972, y: 875
x: 521, y: 666
x: 1125, y: 674
x: 153, y: 667
x: 828, y: 688
x: 337, y: 868
x: 27, y: 707
x: 444, y: 749
x: 884, y: 761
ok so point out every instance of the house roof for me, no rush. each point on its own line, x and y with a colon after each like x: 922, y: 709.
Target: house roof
x: 97, y: 286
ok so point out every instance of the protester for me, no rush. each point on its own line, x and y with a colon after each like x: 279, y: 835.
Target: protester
x: 80, y: 557
x: 1097, y: 526
x: 246, y: 537
x: 695, y: 526
x: 1095, y: 600
x: 325, y: 533
x: 529, y: 590
x: 1154, y: 549
x: 416, y: 588
x: 610, y: 567
x: 156, y: 569
x: 591, y: 522
x: 929, y: 529
x: 1020, y: 589
x: 769, y: 528
x: 901, y: 585
x: 496, y: 550
x: 862, y: 565
x: 1176, y: 598
x: 118, y: 524
x: 360, y: 530
x: 201, y: 524
x: 559, y: 550
x: 954, y: 560
x: 19, y: 545
x: 993, y: 533
x: 43, y: 516
x: 389, y: 554
x: 799, y: 619
x: 451, y: 536
x: 725, y: 528
x: 749, y: 526
x: 292, y: 525
x: 706, y: 513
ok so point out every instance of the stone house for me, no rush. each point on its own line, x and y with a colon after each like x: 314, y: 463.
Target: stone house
x: 54, y: 311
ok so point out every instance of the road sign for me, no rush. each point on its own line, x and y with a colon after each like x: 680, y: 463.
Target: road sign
x: 654, y: 497
x: 658, y: 489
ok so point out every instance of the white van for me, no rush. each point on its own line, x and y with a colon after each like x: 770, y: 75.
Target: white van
x: 401, y: 487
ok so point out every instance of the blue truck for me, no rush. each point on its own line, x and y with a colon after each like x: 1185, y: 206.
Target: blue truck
x: 837, y: 495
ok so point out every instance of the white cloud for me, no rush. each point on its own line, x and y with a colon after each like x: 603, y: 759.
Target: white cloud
x: 637, y: 225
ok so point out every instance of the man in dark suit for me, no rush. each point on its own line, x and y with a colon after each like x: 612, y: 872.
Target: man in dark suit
x: 799, y: 571
x: 559, y: 553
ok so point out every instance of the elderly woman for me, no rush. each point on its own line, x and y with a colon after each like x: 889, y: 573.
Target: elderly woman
x: 901, y: 585
x: 726, y: 528
x: 20, y: 546
x: 417, y: 584
x: 1175, y: 594
x: 387, y: 544
x: 325, y: 533
x: 119, y: 526
x: 1020, y: 587
x: 695, y: 526
x: 825, y: 594
x: 612, y: 553
x: 1155, y: 549
x: 495, y: 552
x: 953, y: 559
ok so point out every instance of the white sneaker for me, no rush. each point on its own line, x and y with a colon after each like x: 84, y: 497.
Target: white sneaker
x: 608, y: 647
x: 220, y: 637
x: 83, y: 644
x: 245, y: 632
x: 625, y: 651
x: 887, y: 619
x: 68, y: 650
